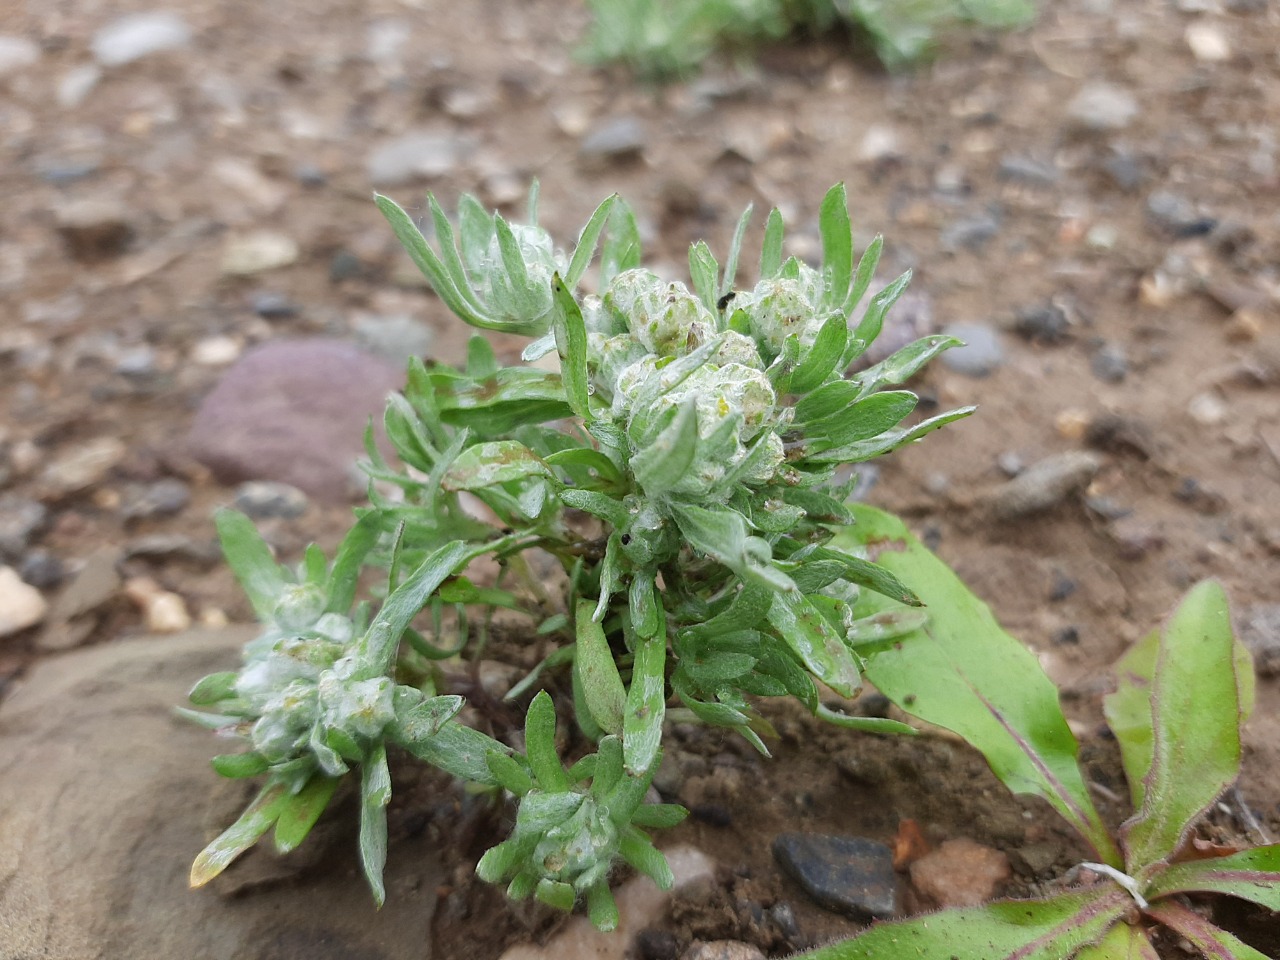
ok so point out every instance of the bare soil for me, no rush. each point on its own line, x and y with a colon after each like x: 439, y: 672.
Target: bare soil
x: 1165, y: 362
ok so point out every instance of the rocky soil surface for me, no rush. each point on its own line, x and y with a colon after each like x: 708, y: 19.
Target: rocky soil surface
x: 200, y: 306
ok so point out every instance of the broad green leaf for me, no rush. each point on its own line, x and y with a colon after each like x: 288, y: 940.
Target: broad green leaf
x: 964, y: 673
x: 1251, y: 875
x: 257, y: 819
x: 720, y: 533
x: 822, y: 358
x: 807, y: 632
x: 457, y: 750
x: 1052, y: 929
x: 1122, y: 942
x: 345, y: 573
x: 237, y: 766
x: 611, y: 511
x: 828, y: 400
x: 873, y: 320
x: 250, y: 560
x: 513, y: 397
x: 588, y: 459
x: 487, y: 464
x: 1212, y: 942
x: 375, y: 794
x: 1128, y: 712
x: 646, y: 703
x: 587, y: 242
x: 302, y: 811
x: 837, y: 247
x: 540, y: 744
x: 571, y: 341
x: 771, y: 249
x: 704, y: 271
x: 664, y: 462
x: 1195, y: 707
x: 601, y: 685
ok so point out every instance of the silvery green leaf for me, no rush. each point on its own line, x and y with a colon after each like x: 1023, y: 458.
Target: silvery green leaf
x: 571, y: 340
x: 345, y: 572
x: 717, y: 668
x: 449, y: 255
x: 660, y: 816
x: 815, y: 642
x: 748, y: 608
x: 556, y: 894
x: 425, y: 719
x: 639, y: 851
x: 214, y: 687
x: 818, y: 506
x: 405, y: 432
x: 721, y: 533
x: 236, y: 766
x: 704, y: 271
x: 862, y: 280
x: 873, y: 320
x: 862, y: 419
x: 870, y: 575
x: 865, y: 724
x: 593, y: 461
x: 509, y: 773
x: 735, y: 252
x: 771, y: 249
x: 481, y: 362
x: 646, y: 703
x: 457, y: 750
x: 301, y: 812
x: 602, y: 687
x: 885, y: 625
x: 621, y: 250
x: 541, y: 810
x: 475, y: 231
x: 601, y: 505
x: 610, y: 574
x: 826, y: 401
x: 540, y: 744
x: 823, y: 358
x: 250, y: 560
x: 375, y: 794
x: 644, y: 604
x: 837, y: 247
x: 602, y: 908
x: 587, y: 241
x: 539, y: 348
x: 526, y: 299
x: 904, y: 364
x: 874, y: 447
x: 256, y: 820
x: 492, y: 463
x: 663, y: 463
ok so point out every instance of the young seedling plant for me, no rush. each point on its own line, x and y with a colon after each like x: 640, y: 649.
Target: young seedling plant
x: 1181, y: 695
x: 684, y: 465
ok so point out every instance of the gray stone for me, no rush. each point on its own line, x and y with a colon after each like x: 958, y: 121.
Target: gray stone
x: 910, y: 319
x: 16, y: 53
x: 1047, y: 323
x: 1173, y: 214
x: 95, y: 229
x: 75, y: 610
x: 981, y: 353
x: 1258, y: 627
x: 1021, y: 169
x: 395, y: 338
x: 1127, y: 170
x: 21, y: 605
x: 1043, y: 485
x: 1110, y: 363
x: 619, y: 139
x: 138, y: 35
x: 416, y: 155
x: 1103, y: 107
x: 272, y: 306
x: 848, y: 875
x: 723, y: 950
x: 21, y: 521
x: 160, y: 499
x: 108, y: 797
x: 970, y: 233
x: 293, y: 411
x: 42, y: 570
x: 262, y: 499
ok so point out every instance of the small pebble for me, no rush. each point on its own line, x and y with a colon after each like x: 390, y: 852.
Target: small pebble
x: 1020, y: 169
x: 272, y: 306
x: 1258, y: 627
x: 1176, y: 215
x: 216, y: 351
x: 723, y: 950
x: 618, y: 140
x: 969, y: 233
x: 1110, y: 364
x: 17, y: 53
x: 261, y: 499
x: 160, y: 499
x: 1208, y: 42
x: 1043, y: 485
x: 1046, y: 324
x: 849, y: 875
x: 21, y: 521
x: 163, y: 611
x: 1103, y: 107
x: 137, y: 35
x: 980, y: 356
x: 960, y: 873
x: 258, y: 252
x: 880, y: 144
x: 21, y: 605
x: 95, y: 229
x: 1207, y: 409
x: 417, y: 155
x: 83, y: 466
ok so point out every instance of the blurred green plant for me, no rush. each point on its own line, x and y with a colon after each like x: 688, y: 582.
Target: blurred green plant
x: 684, y: 463
x: 668, y: 39
x: 1181, y: 695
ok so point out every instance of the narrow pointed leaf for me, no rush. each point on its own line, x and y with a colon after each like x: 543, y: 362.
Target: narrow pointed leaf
x: 487, y: 464
x: 660, y: 466
x: 613, y: 512
x: 704, y: 271
x: 646, y: 703
x: 237, y: 766
x: 1195, y: 706
x: 639, y: 851
x: 866, y: 724
x: 867, y: 449
x: 555, y: 894
x: 509, y: 773
x: 344, y: 574
x: 602, y: 687
x: 873, y: 320
x: 837, y: 247
x: 821, y: 360
x: 257, y: 819
x: 621, y: 250
x: 540, y: 744
x: 571, y: 340
x: 213, y: 688
x: 735, y: 252
x: 1251, y: 875
x: 458, y: 750
x: 1212, y: 942
x: 302, y: 811
x: 587, y: 242
x: 250, y: 560
x: 375, y: 794
x: 964, y: 673
x: 901, y: 366
x: 602, y: 908
x: 867, y: 264
x: 822, y: 650
x: 873, y: 576
x: 449, y: 253
x: 863, y: 419
x: 771, y: 248
x: 1051, y: 929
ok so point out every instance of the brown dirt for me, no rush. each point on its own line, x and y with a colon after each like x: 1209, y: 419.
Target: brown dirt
x: 1194, y: 315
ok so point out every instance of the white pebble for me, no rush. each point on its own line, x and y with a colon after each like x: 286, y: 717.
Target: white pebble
x: 1207, y: 41
x: 21, y: 605
x: 1207, y: 409
x: 216, y: 351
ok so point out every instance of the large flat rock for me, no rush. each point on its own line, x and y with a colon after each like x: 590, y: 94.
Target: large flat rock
x: 105, y: 798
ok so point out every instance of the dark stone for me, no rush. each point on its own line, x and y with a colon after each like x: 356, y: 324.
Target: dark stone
x: 654, y: 944
x: 345, y: 265
x: 847, y: 875
x: 1066, y: 636
x: 293, y: 411
x: 95, y: 229
x: 1258, y: 627
x: 272, y: 306
x: 784, y: 918
x: 1028, y: 170
x: 160, y: 499
x: 21, y: 521
x: 1127, y: 171
x: 970, y: 233
x: 261, y: 500
x: 42, y: 570
x: 1046, y: 324
x: 1063, y: 587
x: 712, y: 814
x: 1110, y: 364
x: 619, y: 140
x: 1118, y: 434
x: 1174, y: 214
